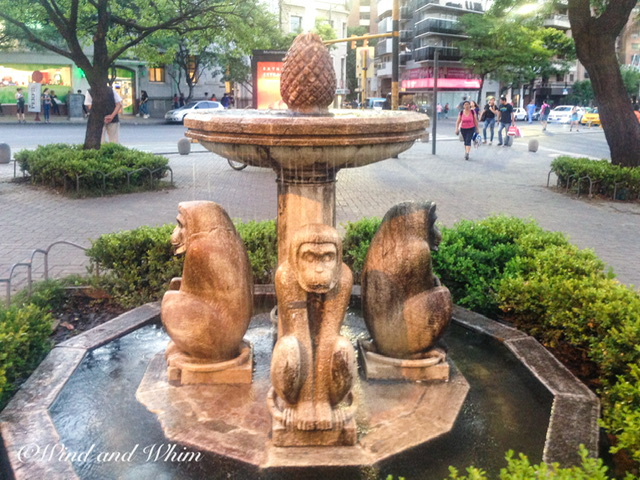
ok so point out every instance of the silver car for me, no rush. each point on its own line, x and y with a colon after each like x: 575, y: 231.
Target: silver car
x: 177, y: 115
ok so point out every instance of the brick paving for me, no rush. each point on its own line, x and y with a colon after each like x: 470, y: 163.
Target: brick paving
x: 496, y: 180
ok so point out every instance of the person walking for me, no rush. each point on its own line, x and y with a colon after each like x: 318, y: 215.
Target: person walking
x: 439, y: 111
x: 475, y: 108
x: 574, y: 119
x: 445, y: 110
x: 531, y: 108
x: 182, y: 100
x: 175, y: 101
x: 489, y: 116
x: 225, y: 100
x: 46, y: 104
x: 144, y: 104
x: 545, y: 109
x: 20, y: 104
x: 506, y: 118
x: 467, y: 124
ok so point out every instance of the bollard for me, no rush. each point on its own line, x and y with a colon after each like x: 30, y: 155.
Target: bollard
x: 184, y: 146
x: 533, y: 145
x: 5, y: 153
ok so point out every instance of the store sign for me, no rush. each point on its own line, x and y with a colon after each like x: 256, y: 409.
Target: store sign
x: 35, y: 92
x: 453, y: 83
x: 267, y: 68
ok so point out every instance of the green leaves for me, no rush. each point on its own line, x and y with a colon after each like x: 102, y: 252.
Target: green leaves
x: 60, y: 165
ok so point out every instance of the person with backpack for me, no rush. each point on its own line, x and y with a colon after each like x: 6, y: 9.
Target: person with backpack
x: 489, y: 116
x: 544, y: 114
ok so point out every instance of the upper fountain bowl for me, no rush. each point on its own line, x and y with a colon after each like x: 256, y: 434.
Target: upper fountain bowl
x: 284, y: 139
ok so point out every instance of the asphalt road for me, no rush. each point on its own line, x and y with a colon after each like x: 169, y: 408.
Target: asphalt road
x: 157, y: 137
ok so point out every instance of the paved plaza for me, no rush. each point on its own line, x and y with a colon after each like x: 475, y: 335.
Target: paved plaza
x: 496, y: 180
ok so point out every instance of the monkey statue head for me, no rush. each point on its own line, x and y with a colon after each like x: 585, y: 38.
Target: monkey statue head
x: 418, y: 218
x: 197, y: 218
x: 316, y: 257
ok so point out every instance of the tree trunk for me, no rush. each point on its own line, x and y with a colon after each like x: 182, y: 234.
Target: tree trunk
x: 595, y: 46
x: 99, y: 95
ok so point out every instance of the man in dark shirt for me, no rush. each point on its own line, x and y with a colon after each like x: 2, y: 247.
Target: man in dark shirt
x: 505, y: 117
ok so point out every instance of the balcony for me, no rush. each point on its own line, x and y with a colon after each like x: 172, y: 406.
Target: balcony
x: 446, y: 53
x: 384, y: 46
x: 405, y: 13
x: 406, y: 36
x: 404, y: 58
x: 432, y: 25
x: 561, y: 22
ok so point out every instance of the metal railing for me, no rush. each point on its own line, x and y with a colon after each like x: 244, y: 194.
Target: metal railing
x: 29, y: 266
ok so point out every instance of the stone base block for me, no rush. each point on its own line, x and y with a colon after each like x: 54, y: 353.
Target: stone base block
x: 341, y: 435
x: 432, y: 366
x: 183, y: 369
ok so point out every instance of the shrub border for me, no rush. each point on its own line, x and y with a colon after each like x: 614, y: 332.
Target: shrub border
x: 26, y: 420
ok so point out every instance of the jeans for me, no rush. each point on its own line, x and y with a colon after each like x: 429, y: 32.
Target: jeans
x: 504, y: 126
x: 144, y: 109
x: 47, y: 109
x: 490, y: 123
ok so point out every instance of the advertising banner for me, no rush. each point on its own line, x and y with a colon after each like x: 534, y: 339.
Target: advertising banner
x: 267, y: 67
x: 35, y: 93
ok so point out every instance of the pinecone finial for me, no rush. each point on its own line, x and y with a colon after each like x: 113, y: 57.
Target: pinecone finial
x: 308, y: 80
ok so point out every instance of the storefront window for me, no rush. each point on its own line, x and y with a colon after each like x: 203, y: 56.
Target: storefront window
x: 12, y: 76
x: 156, y: 74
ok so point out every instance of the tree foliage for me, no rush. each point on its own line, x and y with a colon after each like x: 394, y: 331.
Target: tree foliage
x: 95, y: 33
x: 223, y: 48
x: 512, y: 50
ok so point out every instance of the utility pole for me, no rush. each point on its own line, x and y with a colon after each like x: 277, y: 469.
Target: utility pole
x: 395, y: 63
x: 434, y: 108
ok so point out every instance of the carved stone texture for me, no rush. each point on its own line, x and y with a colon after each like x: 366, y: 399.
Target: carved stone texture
x: 308, y: 81
x: 207, y: 311
x: 405, y: 307
x: 313, y: 366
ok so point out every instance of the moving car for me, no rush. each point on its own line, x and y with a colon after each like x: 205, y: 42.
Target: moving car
x: 177, y: 115
x: 591, y: 117
x: 520, y: 114
x: 562, y: 114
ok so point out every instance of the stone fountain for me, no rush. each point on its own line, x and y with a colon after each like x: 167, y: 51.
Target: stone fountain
x: 258, y: 401
x: 313, y: 399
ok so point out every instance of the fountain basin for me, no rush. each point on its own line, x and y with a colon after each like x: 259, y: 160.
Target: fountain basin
x: 285, y: 140
x: 83, y: 393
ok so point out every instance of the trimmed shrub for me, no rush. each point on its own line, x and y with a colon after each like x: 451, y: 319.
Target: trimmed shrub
x: 59, y: 165
x: 136, y: 265
x: 520, y: 468
x: 473, y: 256
x: 24, y: 333
x: 260, y: 238
x: 357, y: 238
x: 602, y: 173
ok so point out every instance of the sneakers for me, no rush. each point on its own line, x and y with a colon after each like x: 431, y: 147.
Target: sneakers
x: 500, y: 144
x: 490, y: 143
x: 484, y: 142
x: 146, y: 116
x: 466, y: 156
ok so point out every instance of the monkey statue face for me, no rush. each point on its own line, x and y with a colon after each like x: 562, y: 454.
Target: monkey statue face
x: 318, y: 267
x: 179, y: 236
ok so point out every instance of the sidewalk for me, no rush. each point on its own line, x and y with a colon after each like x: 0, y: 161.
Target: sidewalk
x: 64, y: 120
x: 496, y: 180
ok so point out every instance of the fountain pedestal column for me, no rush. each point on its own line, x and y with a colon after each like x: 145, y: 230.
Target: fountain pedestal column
x: 304, y: 198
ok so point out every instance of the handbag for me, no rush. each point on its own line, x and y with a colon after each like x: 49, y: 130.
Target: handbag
x: 514, y: 131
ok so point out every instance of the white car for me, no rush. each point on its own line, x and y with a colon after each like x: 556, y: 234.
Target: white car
x: 562, y: 114
x: 177, y: 115
x: 520, y: 114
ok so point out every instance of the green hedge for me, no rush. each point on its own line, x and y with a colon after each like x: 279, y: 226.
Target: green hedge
x: 357, y: 238
x: 604, y: 174
x: 24, y: 341
x: 58, y: 165
x: 520, y: 468
x: 137, y: 265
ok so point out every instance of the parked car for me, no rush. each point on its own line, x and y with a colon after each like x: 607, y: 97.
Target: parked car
x: 591, y: 117
x: 562, y: 114
x: 177, y: 115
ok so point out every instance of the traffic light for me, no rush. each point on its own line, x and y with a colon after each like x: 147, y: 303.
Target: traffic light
x: 365, y: 43
x: 354, y: 44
